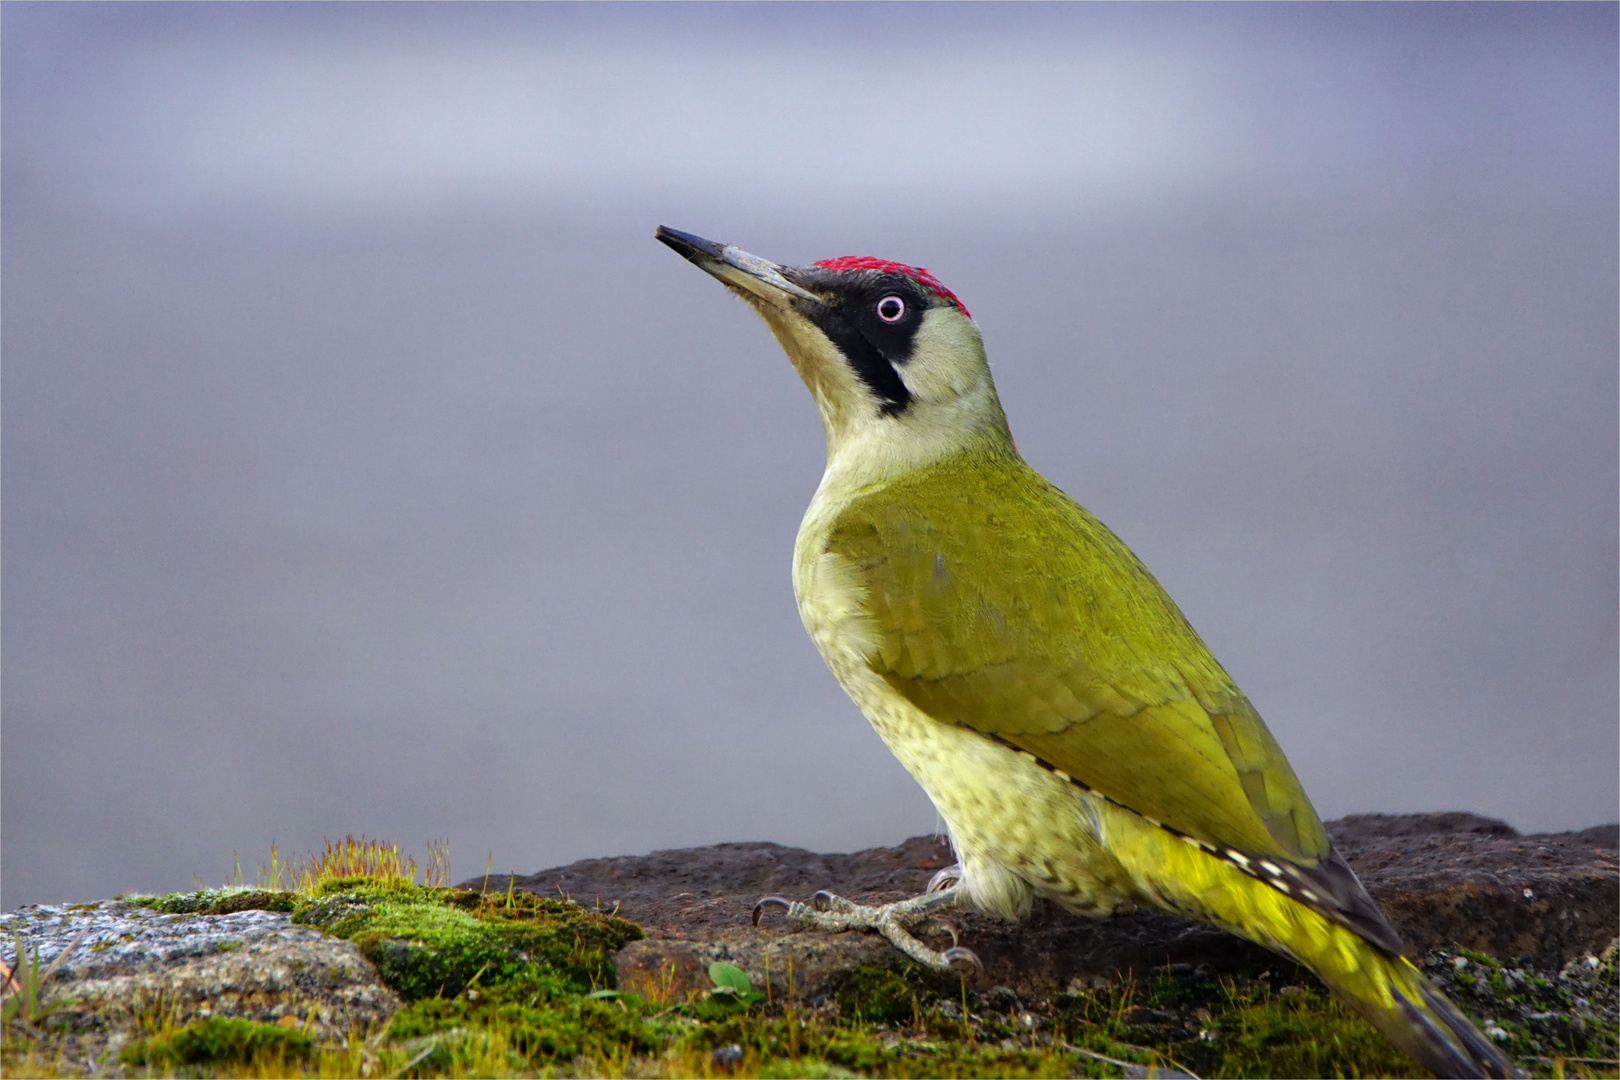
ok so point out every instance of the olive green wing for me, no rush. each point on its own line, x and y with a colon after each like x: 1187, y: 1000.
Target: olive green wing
x: 1027, y: 619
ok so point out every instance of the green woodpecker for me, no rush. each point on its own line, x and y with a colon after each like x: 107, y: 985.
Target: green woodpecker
x: 1075, y: 734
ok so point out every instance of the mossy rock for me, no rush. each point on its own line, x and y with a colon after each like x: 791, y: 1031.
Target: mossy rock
x: 883, y: 995
x: 220, y: 1040
x: 536, y: 1024
x: 436, y: 942
x: 520, y: 984
x: 1535, y: 1014
x: 219, y: 901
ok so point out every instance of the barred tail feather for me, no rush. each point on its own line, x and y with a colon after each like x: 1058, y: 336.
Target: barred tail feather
x: 1370, y: 976
x: 1415, y: 1016
x: 1387, y: 990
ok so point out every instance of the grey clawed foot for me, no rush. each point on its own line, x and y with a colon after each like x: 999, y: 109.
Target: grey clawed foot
x: 830, y: 912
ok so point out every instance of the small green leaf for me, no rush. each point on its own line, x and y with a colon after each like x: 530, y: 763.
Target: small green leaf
x: 598, y: 994
x: 725, y: 995
x: 730, y: 978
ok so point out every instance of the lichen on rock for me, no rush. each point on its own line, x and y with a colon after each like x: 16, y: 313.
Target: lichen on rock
x: 135, y: 966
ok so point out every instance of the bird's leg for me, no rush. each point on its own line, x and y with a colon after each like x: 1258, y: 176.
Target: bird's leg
x: 834, y: 914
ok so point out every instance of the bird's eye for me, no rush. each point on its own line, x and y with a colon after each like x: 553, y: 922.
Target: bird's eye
x: 891, y: 308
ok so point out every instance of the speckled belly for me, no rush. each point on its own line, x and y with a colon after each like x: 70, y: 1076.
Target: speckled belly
x: 1018, y: 830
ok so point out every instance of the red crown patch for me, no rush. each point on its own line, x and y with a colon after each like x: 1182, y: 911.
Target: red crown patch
x: 916, y: 273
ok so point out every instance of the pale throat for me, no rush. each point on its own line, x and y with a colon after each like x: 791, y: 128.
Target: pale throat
x: 954, y: 403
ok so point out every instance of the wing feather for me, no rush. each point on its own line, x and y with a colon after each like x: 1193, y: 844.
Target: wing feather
x: 1030, y: 621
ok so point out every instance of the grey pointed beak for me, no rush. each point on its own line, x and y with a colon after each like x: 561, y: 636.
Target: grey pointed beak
x: 733, y: 265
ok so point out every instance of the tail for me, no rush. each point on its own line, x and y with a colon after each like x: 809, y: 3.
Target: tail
x: 1400, y: 1002
x: 1374, y: 979
x: 1323, y: 918
x: 1359, y: 958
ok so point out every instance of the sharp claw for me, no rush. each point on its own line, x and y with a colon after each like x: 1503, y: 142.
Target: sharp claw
x: 823, y: 900
x: 960, y: 958
x: 759, y: 905
x: 944, y: 879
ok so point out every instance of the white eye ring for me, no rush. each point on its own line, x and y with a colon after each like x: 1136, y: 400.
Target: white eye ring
x: 891, y: 309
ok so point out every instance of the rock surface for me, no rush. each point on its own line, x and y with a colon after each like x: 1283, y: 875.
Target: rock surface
x: 1444, y: 881
x: 130, y: 964
x: 1544, y: 906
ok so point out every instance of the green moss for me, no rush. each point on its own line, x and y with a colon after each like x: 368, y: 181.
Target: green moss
x: 433, y: 942
x: 537, y: 1025
x: 218, y: 901
x: 526, y: 1026
x: 1536, y: 1016
x: 1309, y: 1033
x: 876, y: 995
x: 219, y: 1040
x: 809, y: 1070
x: 254, y: 900
x: 513, y: 985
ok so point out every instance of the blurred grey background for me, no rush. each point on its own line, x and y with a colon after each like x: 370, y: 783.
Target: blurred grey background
x: 369, y: 467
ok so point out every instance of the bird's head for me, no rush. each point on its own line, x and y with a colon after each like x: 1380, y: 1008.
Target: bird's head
x: 891, y: 356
